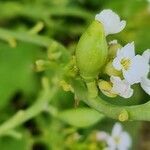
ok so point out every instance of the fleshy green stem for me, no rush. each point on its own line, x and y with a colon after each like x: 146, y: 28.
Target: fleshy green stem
x: 138, y: 112
x: 26, y: 37
x: 122, y: 113
x: 24, y: 115
x: 92, y: 89
x: 38, y: 13
x: 43, y: 41
x: 40, y: 105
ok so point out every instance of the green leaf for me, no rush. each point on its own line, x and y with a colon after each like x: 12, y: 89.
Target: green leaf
x: 81, y: 117
x: 9, y: 143
x: 17, y: 73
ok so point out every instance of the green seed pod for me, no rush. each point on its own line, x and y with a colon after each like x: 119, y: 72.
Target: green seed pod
x: 91, y: 51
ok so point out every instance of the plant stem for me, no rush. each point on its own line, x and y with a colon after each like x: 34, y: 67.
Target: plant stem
x: 136, y: 112
x: 92, y: 89
x: 26, y: 37
x: 40, y: 11
x: 40, y: 105
x: 24, y: 115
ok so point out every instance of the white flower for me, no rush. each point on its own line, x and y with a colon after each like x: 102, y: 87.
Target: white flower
x: 133, y: 67
x: 145, y: 84
x: 119, y: 139
x: 77, y: 136
x: 146, y: 55
x: 102, y: 136
x: 121, y: 87
x: 111, y: 21
x: 145, y: 81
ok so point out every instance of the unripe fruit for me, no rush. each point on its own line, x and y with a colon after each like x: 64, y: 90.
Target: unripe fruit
x: 91, y: 52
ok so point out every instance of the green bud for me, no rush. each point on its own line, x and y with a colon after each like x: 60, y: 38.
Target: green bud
x: 91, y: 51
x: 66, y: 87
x: 41, y: 65
x: 105, y: 88
x: 58, y: 53
x: 123, y: 116
x: 111, y: 71
x: 112, y: 50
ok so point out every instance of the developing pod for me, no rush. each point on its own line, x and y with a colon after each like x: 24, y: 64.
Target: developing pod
x: 91, y: 51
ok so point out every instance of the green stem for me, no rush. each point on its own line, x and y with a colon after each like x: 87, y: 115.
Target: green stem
x: 137, y: 112
x: 39, y: 40
x: 24, y: 115
x: 40, y: 11
x: 92, y: 89
x: 44, y: 14
x: 123, y: 113
x: 26, y: 37
x: 40, y: 105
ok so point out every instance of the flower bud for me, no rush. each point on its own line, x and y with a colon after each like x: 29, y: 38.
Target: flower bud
x: 66, y: 87
x: 111, y: 71
x: 112, y: 50
x: 91, y: 51
x: 123, y: 116
x: 105, y: 88
x: 41, y: 65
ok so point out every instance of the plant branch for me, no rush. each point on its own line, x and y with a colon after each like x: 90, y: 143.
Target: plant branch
x: 122, y: 113
x: 23, y: 115
x: 26, y: 37
x: 137, y: 112
x: 40, y: 104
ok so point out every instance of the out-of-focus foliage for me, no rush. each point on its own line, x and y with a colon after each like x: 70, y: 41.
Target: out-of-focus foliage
x: 75, y: 117
x: 64, y: 21
x: 17, y: 70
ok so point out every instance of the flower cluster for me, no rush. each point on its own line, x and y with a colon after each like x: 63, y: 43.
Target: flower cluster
x: 124, y: 67
x: 118, y: 140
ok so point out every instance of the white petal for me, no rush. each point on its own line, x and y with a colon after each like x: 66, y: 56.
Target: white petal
x: 125, y: 141
x: 122, y: 25
x: 111, y: 21
x: 145, y: 84
x: 138, y: 69
x: 146, y: 55
x: 117, y: 63
x: 121, y: 87
x: 127, y: 91
x: 127, y: 52
x: 111, y: 143
x: 117, y: 129
x: 102, y: 136
x: 114, y: 79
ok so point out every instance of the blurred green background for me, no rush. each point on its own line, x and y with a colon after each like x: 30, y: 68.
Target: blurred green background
x: 64, y: 21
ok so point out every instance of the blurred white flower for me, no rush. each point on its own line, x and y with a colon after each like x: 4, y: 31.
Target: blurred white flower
x: 102, y: 136
x: 119, y: 139
x: 111, y: 21
x: 145, y: 81
x: 133, y: 67
x: 77, y: 136
x: 121, y: 87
